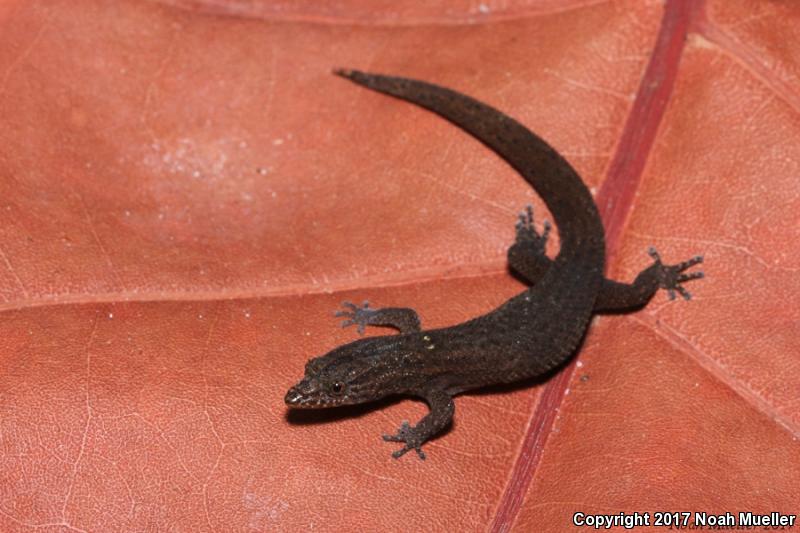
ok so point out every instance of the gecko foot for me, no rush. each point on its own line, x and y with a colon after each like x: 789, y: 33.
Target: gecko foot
x: 409, y: 436
x: 526, y: 233
x: 355, y: 315
x: 671, y: 277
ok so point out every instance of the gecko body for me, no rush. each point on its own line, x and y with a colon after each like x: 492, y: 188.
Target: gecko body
x: 530, y: 334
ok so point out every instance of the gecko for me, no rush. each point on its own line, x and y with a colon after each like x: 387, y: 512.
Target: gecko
x: 531, y: 334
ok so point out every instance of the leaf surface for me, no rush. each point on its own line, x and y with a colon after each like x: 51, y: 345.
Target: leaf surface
x: 187, y: 194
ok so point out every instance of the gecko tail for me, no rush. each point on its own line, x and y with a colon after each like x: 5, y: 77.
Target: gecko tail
x: 579, y: 227
x: 352, y: 74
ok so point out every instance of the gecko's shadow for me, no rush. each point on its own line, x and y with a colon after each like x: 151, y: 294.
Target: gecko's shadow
x: 506, y: 388
x: 304, y: 417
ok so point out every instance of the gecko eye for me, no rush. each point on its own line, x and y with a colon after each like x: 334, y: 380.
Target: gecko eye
x: 337, y: 388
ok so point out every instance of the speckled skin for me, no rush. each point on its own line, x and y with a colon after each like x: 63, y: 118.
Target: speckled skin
x: 527, y: 336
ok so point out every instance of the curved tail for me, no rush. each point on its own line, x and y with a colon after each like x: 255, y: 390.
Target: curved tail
x: 579, y: 226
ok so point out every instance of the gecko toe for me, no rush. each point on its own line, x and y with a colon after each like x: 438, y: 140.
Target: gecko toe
x: 672, y: 277
x: 405, y: 434
x: 355, y: 315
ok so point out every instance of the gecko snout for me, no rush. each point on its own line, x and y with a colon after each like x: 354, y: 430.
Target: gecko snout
x: 293, y: 397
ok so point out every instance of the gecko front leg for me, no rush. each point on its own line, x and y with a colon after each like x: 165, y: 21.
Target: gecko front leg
x: 442, y: 409
x: 403, y: 319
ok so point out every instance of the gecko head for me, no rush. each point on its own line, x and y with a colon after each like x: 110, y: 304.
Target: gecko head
x: 318, y: 388
x: 350, y: 374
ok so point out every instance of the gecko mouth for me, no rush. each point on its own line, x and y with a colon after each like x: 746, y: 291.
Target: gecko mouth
x: 299, y: 399
x: 294, y: 398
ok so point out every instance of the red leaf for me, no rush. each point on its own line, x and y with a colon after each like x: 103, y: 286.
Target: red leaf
x: 187, y: 194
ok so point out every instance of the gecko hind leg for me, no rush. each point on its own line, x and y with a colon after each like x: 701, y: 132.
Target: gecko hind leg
x: 403, y: 319
x: 671, y: 277
x: 616, y: 297
x: 527, y: 255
